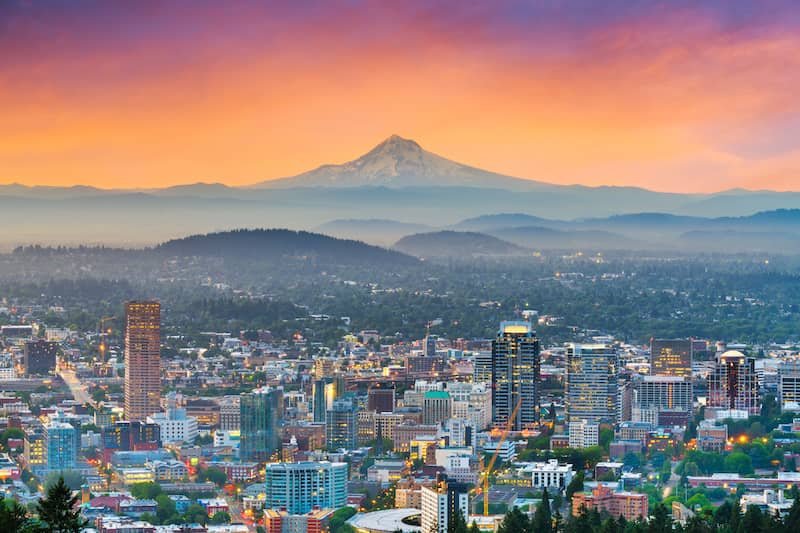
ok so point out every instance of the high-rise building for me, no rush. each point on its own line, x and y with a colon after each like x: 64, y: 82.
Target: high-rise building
x: 40, y: 357
x: 62, y: 453
x: 300, y: 487
x: 671, y: 357
x: 515, y: 376
x: 441, y: 505
x: 380, y: 399
x: 324, y: 367
x: 341, y: 425
x: 123, y: 436
x: 665, y: 394
x: 591, y: 385
x: 142, y: 359
x: 229, y: 413
x: 482, y: 367
x: 789, y: 387
x: 733, y: 383
x: 436, y: 407
x: 324, y: 392
x: 35, y: 451
x: 429, y: 345
x: 261, y: 417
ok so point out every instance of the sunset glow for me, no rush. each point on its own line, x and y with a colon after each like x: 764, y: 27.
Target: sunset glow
x: 673, y: 96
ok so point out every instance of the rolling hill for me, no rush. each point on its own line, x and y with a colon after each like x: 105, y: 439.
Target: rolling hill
x: 276, y: 244
x: 456, y: 244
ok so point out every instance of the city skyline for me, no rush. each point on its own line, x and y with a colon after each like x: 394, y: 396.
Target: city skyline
x: 681, y: 97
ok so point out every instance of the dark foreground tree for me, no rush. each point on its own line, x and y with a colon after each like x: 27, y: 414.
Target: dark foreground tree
x: 58, y: 510
x: 542, y: 518
x: 13, y: 516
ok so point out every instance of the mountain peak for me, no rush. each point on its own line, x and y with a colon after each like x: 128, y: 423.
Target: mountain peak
x: 399, y: 162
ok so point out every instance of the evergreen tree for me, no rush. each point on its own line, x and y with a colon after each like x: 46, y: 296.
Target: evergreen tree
x: 576, y: 485
x: 458, y: 524
x: 514, y: 522
x: 473, y: 527
x: 661, y: 522
x: 753, y: 520
x: 542, y: 519
x: 736, y: 517
x: 13, y: 516
x: 558, y: 522
x: 792, y: 520
x: 58, y: 510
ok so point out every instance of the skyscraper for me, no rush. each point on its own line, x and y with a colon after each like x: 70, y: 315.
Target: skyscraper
x: 324, y: 392
x: 671, y: 357
x: 142, y: 359
x: 515, y: 375
x: 261, y: 416
x: 733, y: 384
x: 591, y: 385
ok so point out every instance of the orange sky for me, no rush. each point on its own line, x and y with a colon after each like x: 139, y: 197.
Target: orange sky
x: 674, y: 99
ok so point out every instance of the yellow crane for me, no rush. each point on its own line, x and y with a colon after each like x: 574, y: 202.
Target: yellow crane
x: 103, y: 333
x: 486, y: 471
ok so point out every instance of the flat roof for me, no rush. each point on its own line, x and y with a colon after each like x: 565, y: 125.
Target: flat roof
x: 385, y: 521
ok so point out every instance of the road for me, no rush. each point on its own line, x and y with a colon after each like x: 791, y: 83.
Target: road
x: 77, y: 388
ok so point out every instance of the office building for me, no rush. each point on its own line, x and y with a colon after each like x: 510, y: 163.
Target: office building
x: 548, y: 474
x: 62, y: 452
x: 515, y: 376
x: 35, y: 447
x: 229, y: 413
x: 671, y: 357
x: 441, y: 505
x: 789, y: 386
x: 429, y: 345
x: 380, y: 399
x: 39, y: 357
x: 733, y: 384
x: 341, y: 425
x: 125, y: 436
x: 591, y: 386
x: 142, y: 359
x: 261, y: 417
x: 665, y: 395
x: 300, y: 487
x: 436, y: 407
x: 583, y: 434
x: 175, y: 425
x: 482, y: 367
x: 323, y: 393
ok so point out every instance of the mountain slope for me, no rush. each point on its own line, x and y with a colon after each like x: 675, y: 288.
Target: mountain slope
x: 374, y: 230
x: 398, y: 162
x: 455, y: 244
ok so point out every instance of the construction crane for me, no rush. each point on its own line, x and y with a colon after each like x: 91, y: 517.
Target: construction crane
x: 488, y: 469
x: 103, y: 333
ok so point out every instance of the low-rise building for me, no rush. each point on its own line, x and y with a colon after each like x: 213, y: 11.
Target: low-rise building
x: 630, y: 505
x: 549, y: 474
